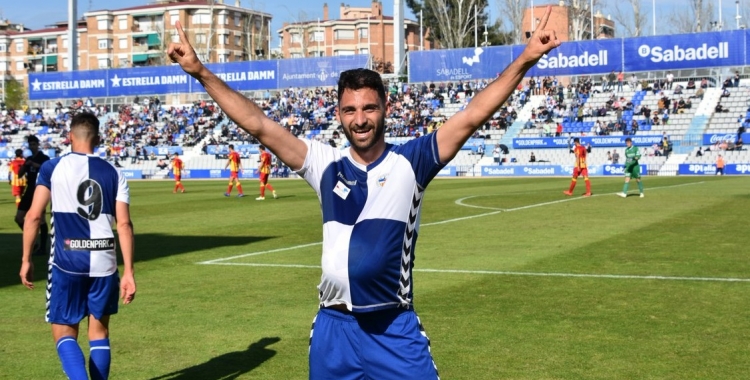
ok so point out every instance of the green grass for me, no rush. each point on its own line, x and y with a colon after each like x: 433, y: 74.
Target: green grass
x: 192, y: 321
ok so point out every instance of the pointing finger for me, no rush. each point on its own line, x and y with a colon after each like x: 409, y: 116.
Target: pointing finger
x: 545, y: 18
x: 181, y: 32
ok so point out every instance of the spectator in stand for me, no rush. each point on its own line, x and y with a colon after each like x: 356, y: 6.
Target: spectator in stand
x: 736, y: 79
x: 704, y: 83
x: 670, y: 80
x: 690, y: 84
x: 620, y: 79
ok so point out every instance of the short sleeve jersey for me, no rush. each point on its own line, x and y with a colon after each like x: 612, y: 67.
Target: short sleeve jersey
x: 14, y: 168
x: 84, y: 190
x: 32, y: 172
x: 370, y: 221
x: 265, y: 163
x: 177, y: 166
x: 580, y: 152
x: 234, y: 161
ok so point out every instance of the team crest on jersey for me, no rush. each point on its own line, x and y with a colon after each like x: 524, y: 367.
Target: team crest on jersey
x: 381, y: 180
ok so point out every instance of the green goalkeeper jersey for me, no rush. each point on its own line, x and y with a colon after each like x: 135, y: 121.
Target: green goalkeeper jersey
x: 632, y: 155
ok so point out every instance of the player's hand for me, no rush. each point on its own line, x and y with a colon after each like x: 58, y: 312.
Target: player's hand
x: 542, y: 41
x: 127, y: 288
x: 183, y: 53
x: 27, y: 274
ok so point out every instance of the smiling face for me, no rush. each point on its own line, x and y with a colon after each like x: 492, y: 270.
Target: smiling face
x: 362, y: 115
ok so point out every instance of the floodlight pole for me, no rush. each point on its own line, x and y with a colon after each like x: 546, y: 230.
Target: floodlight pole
x: 73, y: 35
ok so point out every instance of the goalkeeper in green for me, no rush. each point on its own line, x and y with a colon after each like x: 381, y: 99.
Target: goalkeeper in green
x: 632, y: 168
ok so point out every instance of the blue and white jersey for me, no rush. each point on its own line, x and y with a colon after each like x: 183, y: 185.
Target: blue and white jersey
x: 84, y: 190
x: 370, y: 221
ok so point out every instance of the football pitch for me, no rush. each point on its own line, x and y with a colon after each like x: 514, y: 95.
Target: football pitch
x: 513, y: 280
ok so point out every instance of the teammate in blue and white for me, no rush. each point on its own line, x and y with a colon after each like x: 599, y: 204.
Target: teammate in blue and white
x: 371, y: 195
x: 87, y: 194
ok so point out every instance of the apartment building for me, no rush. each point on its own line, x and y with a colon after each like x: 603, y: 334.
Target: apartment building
x: 139, y: 36
x: 563, y: 21
x: 358, y: 30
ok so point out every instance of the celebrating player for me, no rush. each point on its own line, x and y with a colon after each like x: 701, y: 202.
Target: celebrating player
x: 264, y: 170
x: 177, y: 168
x: 370, y: 195
x: 632, y: 168
x: 16, y: 181
x: 234, y: 163
x: 580, y: 169
x: 88, y: 194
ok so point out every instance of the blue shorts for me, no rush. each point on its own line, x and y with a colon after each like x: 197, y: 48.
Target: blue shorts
x: 71, y: 298
x: 387, y: 344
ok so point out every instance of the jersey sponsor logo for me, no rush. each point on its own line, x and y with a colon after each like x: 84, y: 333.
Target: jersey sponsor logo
x: 341, y: 190
x: 89, y: 244
x: 561, y: 61
x: 677, y: 54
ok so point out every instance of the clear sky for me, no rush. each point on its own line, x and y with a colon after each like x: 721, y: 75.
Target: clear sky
x: 36, y: 14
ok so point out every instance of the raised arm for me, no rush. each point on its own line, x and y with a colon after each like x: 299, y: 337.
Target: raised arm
x: 454, y: 133
x: 241, y: 110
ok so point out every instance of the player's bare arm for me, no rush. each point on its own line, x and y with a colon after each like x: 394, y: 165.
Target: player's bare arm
x: 454, y: 133
x: 127, y: 247
x: 240, y: 109
x: 34, y: 217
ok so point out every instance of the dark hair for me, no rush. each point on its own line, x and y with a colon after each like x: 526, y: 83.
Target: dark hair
x: 86, y: 120
x: 356, y: 79
x: 19, y: 153
x: 32, y: 139
x: 628, y: 139
x: 575, y: 140
x: 231, y: 146
x: 261, y: 147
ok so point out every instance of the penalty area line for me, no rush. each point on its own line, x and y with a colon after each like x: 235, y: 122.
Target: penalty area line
x: 527, y: 274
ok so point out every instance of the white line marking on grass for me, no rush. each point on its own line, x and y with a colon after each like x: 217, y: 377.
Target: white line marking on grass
x: 216, y: 261
x: 458, y: 202
x: 531, y: 274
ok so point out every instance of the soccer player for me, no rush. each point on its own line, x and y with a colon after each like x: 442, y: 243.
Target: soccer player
x: 17, y: 183
x: 264, y: 170
x: 177, y: 167
x: 234, y: 163
x: 88, y: 194
x: 580, y: 169
x: 632, y: 168
x: 30, y: 169
x: 370, y: 195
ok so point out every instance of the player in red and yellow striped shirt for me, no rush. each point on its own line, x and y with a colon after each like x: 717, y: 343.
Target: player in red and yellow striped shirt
x: 580, y: 169
x: 264, y: 170
x: 177, y: 168
x: 235, y: 166
x: 17, y: 183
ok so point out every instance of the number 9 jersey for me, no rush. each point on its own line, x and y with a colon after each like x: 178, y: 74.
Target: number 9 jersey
x: 84, y: 191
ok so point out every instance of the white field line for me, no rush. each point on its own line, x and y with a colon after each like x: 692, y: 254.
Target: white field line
x: 534, y: 274
x: 458, y: 202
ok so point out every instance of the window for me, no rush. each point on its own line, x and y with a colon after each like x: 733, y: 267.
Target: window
x: 223, y: 57
x: 200, y: 38
x: 122, y: 23
x: 65, y: 63
x: 201, y: 18
x: 123, y: 43
x: 296, y: 55
x: 236, y: 19
x: 364, y: 51
x: 296, y: 38
x: 19, y: 47
x: 317, y: 53
x: 103, y: 63
x: 317, y: 36
x: 175, y: 37
x: 223, y: 39
x: 65, y: 42
x: 124, y: 62
x: 238, y: 40
x: 343, y: 34
x: 103, y: 24
x: 19, y: 65
x: 2, y: 48
x: 343, y: 52
x: 3, y: 66
x: 104, y: 44
x: 362, y: 33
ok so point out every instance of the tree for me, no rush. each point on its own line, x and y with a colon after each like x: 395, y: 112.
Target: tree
x: 452, y: 22
x: 513, y: 11
x: 15, y: 94
x: 695, y: 16
x: 634, y: 23
x: 579, y: 18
